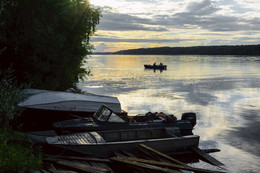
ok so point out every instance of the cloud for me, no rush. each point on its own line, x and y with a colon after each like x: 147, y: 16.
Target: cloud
x: 102, y: 47
x: 204, y: 7
x: 124, y: 22
x: 249, y: 4
x: 203, y: 15
x: 179, y: 22
x: 200, y: 15
x: 106, y: 39
x: 235, y: 41
x: 196, y: 14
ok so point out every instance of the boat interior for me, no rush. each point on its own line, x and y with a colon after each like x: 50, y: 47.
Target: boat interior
x: 139, y: 134
x: 114, y: 136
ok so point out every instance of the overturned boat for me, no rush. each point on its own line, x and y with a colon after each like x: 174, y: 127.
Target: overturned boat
x: 106, y: 119
x: 43, y: 107
x: 103, y: 143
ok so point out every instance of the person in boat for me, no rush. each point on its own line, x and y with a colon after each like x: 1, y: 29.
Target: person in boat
x: 154, y: 64
x: 161, y: 64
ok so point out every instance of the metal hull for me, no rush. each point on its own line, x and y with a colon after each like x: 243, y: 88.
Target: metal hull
x: 164, y: 145
x: 77, y: 127
x: 105, y: 119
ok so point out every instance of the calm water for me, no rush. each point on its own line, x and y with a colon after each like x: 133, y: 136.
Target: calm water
x: 224, y: 91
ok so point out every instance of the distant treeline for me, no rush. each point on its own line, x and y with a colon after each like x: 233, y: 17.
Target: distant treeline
x: 196, y: 50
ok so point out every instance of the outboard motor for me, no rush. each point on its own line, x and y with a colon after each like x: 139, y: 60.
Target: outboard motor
x: 190, y: 116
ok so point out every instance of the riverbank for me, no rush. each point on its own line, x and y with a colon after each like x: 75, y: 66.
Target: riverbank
x: 17, y: 152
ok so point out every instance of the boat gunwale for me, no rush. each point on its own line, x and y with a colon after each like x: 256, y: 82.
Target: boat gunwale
x: 164, y: 138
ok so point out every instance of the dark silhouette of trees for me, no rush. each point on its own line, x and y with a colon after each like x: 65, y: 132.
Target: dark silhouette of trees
x: 196, y: 50
x: 45, y: 41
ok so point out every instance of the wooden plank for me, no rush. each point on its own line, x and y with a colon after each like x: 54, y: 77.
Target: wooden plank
x: 213, y: 150
x: 81, y: 167
x: 101, y: 165
x: 61, y: 171
x: 34, y: 171
x: 94, y: 159
x: 126, y: 153
x: 206, y: 156
x: 163, y: 155
x: 44, y: 171
x: 177, y: 153
x: 162, y: 164
x: 151, y: 156
x: 117, y: 153
x: 144, y: 166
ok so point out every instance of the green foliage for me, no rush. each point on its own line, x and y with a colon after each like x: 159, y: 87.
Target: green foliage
x: 46, y: 40
x: 10, y: 96
x: 18, y: 152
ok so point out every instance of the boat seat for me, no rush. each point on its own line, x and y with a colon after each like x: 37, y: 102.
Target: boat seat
x: 76, y: 139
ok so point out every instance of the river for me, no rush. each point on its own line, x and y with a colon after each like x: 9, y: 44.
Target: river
x: 224, y: 92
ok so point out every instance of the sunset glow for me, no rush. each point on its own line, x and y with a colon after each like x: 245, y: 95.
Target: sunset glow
x: 140, y: 24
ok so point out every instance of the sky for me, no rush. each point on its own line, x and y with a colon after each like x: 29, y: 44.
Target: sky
x: 132, y: 24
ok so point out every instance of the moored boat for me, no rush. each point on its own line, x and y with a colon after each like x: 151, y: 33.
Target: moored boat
x: 107, y: 119
x: 43, y: 107
x: 102, y: 143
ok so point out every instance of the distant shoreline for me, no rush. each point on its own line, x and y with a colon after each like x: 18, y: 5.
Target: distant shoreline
x: 250, y: 50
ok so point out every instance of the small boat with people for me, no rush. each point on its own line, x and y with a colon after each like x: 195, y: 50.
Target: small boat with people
x: 106, y: 119
x: 161, y: 66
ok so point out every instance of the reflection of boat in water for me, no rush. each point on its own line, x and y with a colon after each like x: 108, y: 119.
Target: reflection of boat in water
x: 154, y: 66
x: 102, y: 143
x: 106, y: 119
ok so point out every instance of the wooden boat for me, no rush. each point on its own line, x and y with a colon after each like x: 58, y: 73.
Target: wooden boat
x: 42, y: 107
x: 154, y: 66
x: 106, y: 119
x: 103, y: 143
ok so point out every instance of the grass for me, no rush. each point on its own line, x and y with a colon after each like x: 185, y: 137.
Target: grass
x: 18, y: 152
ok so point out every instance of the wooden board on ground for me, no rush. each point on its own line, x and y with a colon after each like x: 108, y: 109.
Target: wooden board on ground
x: 206, y: 156
x: 93, y: 159
x: 145, y: 166
x: 158, y: 164
x: 79, y: 167
x: 163, y: 155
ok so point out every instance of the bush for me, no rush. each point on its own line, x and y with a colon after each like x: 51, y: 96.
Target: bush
x: 18, y: 153
x: 10, y: 96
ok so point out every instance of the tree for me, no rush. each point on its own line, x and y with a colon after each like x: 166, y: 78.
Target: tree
x: 10, y: 96
x: 46, y: 41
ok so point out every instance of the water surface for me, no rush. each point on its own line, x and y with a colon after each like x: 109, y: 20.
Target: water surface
x: 224, y: 92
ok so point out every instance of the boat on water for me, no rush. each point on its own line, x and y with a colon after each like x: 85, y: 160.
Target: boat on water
x: 106, y: 119
x: 103, y: 143
x: 43, y: 107
x: 154, y: 66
